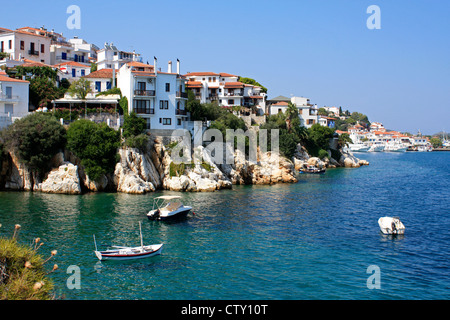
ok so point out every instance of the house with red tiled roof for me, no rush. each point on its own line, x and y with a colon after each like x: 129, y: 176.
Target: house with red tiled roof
x: 14, y: 99
x: 226, y: 89
x: 25, y: 43
x: 72, y: 70
x: 101, y: 80
x: 158, y: 97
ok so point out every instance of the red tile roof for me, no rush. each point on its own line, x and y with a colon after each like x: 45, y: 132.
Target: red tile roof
x: 193, y: 84
x: 194, y: 74
x: 8, y: 79
x: 234, y: 85
x: 102, y: 73
x: 72, y: 63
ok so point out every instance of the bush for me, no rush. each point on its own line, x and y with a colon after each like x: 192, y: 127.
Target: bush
x: 133, y: 125
x: 96, y: 145
x: 139, y: 142
x: 36, y: 139
x: 323, y: 154
x: 22, y: 271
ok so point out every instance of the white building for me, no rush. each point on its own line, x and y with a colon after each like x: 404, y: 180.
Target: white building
x: 307, y: 112
x: 25, y: 43
x: 101, y: 80
x: 82, y: 46
x: 13, y: 99
x: 225, y: 89
x: 159, y: 97
x: 110, y: 57
x: 72, y: 70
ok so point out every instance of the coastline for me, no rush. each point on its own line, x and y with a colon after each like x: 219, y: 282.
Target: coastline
x: 140, y: 172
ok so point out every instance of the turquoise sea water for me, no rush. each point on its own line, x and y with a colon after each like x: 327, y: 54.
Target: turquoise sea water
x: 311, y: 240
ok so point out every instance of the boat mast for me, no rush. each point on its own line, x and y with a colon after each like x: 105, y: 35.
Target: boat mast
x: 95, y: 243
x: 140, y: 231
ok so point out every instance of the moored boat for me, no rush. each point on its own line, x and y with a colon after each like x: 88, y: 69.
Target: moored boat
x: 391, y: 225
x: 129, y: 253
x: 168, y: 207
x: 312, y: 169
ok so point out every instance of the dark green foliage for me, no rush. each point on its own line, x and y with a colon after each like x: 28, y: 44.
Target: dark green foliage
x: 252, y: 82
x: 133, y: 125
x: 318, y: 139
x: 139, y: 142
x: 36, y: 139
x: 43, y: 91
x: 96, y: 145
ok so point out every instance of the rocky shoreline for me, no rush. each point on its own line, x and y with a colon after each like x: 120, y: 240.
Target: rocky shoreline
x: 142, y: 172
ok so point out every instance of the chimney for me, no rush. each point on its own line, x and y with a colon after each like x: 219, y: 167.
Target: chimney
x: 154, y: 63
x: 178, y: 66
x: 169, y: 68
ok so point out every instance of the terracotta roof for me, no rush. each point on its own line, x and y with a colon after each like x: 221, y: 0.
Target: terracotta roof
x: 223, y: 74
x: 102, y: 73
x: 281, y: 103
x: 194, y: 74
x: 234, y: 85
x: 139, y: 64
x: 194, y: 84
x: 32, y: 63
x: 143, y: 73
x: 8, y: 79
x: 71, y: 63
x: 256, y: 97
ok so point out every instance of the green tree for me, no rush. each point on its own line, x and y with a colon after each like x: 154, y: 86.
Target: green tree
x: 252, y: 82
x: 436, y: 142
x: 96, y: 145
x: 344, y: 139
x: 318, y: 139
x: 133, y: 125
x: 291, y: 113
x: 35, y: 139
x: 43, y: 91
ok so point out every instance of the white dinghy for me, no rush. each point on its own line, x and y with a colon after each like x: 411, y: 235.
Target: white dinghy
x: 391, y: 225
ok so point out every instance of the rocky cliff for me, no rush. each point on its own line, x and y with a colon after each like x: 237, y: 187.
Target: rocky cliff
x: 140, y: 172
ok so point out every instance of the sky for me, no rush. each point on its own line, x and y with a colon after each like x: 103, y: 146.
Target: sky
x: 320, y: 49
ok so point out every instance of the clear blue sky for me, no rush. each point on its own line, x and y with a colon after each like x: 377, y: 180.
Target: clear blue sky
x: 320, y: 49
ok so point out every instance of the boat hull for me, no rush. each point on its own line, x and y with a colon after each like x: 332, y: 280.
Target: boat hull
x: 117, y: 255
x: 391, y: 226
x: 178, y: 214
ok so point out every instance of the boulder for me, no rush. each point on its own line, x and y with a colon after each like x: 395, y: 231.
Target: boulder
x: 63, y: 179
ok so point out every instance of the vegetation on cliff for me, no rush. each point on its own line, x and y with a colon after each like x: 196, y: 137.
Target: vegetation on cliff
x: 96, y: 145
x: 35, y: 139
x: 23, y: 274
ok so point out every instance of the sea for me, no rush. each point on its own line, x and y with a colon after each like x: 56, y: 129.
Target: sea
x: 317, y: 239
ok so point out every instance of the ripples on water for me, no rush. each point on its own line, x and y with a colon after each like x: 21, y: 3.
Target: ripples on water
x: 310, y: 240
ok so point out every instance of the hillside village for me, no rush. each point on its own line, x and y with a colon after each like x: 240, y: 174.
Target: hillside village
x: 156, y: 92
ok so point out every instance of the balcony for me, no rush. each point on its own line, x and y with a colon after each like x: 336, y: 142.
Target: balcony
x: 180, y: 112
x: 213, y: 97
x: 183, y: 95
x: 8, y: 98
x: 144, y: 110
x: 144, y: 93
x: 234, y: 94
x: 33, y: 52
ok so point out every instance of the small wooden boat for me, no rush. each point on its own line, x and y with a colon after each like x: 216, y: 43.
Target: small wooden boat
x: 168, y: 207
x: 312, y: 169
x: 391, y: 225
x: 129, y: 253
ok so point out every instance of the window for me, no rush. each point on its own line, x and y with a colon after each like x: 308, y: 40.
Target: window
x: 63, y: 55
x: 148, y: 124
x: 179, y: 121
x: 10, y: 44
x: 166, y: 121
x: 167, y: 87
x: 8, y: 92
x: 1, y: 46
x: 98, y: 86
x: 9, y: 108
x: 42, y: 48
x: 83, y: 72
x: 141, y: 86
x: 108, y: 85
x: 209, y: 79
x: 164, y: 104
x: 22, y: 45
x: 231, y: 101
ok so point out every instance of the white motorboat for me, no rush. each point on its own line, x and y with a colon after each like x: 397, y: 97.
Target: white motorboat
x: 395, y: 147
x: 391, y: 225
x: 359, y: 147
x: 129, y: 253
x: 168, y: 207
x: 377, y: 147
